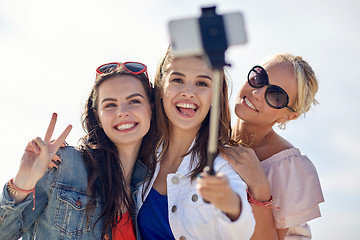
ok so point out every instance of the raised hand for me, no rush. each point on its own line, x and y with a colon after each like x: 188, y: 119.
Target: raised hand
x: 216, y: 190
x: 37, y: 156
x: 247, y: 165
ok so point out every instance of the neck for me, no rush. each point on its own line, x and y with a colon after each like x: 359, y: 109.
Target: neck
x: 252, y: 135
x: 127, y: 156
x: 179, y: 144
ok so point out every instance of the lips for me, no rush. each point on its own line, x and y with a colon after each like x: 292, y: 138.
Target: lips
x: 249, y: 104
x: 125, y: 126
x: 187, y: 109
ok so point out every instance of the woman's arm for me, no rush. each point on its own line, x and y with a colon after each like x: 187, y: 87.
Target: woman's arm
x: 234, y: 216
x: 247, y: 165
x: 15, y: 201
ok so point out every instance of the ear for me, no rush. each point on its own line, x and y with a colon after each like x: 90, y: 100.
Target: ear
x: 293, y: 116
x: 288, y: 117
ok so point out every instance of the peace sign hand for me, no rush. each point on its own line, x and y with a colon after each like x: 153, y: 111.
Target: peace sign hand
x: 37, y: 156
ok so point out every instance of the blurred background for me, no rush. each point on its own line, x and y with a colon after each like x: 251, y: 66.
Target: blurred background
x: 49, y: 51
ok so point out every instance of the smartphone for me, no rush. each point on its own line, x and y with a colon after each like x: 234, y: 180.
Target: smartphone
x: 185, y: 35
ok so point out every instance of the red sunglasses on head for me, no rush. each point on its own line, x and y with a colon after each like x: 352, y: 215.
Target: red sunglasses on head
x: 132, y: 67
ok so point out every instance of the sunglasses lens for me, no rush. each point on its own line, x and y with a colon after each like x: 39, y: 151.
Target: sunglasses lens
x: 135, y: 67
x: 276, y: 97
x: 108, y: 67
x: 257, y: 77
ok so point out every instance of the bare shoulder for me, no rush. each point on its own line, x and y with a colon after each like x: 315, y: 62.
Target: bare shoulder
x: 274, y: 145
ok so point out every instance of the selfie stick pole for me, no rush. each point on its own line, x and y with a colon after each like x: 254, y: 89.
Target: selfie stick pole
x: 215, y: 44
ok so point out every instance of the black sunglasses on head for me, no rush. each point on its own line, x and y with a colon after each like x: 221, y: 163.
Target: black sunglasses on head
x: 275, y: 96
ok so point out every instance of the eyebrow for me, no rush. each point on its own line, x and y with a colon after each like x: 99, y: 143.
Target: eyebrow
x: 127, y: 98
x: 198, y: 76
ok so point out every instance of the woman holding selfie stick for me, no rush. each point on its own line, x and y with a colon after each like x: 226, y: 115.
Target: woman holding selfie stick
x: 89, y: 195
x: 283, y: 183
x: 171, y: 205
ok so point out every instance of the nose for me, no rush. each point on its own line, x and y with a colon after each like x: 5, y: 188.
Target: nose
x: 189, y: 91
x: 259, y: 93
x: 123, y: 110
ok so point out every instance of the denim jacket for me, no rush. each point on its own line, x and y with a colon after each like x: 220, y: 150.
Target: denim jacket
x: 60, y: 204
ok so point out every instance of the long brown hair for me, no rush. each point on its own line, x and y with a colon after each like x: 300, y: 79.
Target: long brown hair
x: 106, y: 180
x: 162, y: 122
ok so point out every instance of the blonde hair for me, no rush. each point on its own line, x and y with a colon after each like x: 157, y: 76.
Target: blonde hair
x: 307, y: 83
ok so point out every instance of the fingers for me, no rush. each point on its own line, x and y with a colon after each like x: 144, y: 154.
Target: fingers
x: 61, y: 139
x: 212, y: 181
x: 52, y: 165
x: 32, y: 147
x: 56, y: 159
x: 40, y: 146
x: 214, y: 189
x: 207, y: 183
x: 51, y: 127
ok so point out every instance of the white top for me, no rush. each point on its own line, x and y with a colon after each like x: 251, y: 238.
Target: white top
x: 191, y: 218
x: 296, y: 189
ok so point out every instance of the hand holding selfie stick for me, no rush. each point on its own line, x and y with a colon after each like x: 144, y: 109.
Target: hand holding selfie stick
x: 209, y: 35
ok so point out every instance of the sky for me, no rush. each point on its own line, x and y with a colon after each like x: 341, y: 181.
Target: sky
x: 49, y: 51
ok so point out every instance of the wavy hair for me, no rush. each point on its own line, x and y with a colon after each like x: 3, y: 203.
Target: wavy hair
x: 106, y: 180
x: 200, y: 146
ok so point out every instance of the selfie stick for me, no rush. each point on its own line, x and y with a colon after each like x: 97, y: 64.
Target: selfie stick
x: 214, y: 42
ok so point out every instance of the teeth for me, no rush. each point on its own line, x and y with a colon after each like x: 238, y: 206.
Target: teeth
x: 186, y: 105
x: 249, y: 104
x: 125, y: 126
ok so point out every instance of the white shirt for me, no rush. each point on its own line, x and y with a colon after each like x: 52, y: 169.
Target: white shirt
x: 190, y: 217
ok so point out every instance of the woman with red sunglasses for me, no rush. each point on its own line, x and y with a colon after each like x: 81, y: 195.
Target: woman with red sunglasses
x: 88, y: 196
x: 284, y: 187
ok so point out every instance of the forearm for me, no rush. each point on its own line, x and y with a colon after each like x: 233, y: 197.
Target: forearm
x: 241, y: 228
x: 265, y: 225
x: 11, y: 215
x: 19, y: 189
x: 236, y: 211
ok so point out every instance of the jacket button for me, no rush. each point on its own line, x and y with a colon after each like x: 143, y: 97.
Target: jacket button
x: 182, y: 238
x: 194, y: 197
x: 173, y: 209
x: 175, y: 180
x: 78, y: 203
x: 106, y: 236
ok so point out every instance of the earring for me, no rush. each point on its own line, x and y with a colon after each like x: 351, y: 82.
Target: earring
x: 282, y: 124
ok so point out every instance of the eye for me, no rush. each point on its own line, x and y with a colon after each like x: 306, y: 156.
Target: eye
x: 202, y: 84
x: 134, y: 101
x: 177, y: 80
x: 110, y: 105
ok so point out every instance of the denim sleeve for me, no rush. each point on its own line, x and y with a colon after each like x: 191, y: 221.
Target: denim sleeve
x: 18, y: 218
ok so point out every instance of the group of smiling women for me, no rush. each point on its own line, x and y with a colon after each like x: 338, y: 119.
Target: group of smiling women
x: 138, y: 173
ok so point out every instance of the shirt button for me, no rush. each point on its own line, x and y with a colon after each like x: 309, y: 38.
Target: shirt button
x: 173, y: 209
x: 194, y: 197
x: 175, y: 180
x: 78, y: 203
x: 182, y: 238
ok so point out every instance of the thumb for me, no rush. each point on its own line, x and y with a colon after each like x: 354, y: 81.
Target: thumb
x: 44, y: 151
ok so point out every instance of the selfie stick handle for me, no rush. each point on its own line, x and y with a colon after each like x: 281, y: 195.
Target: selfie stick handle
x: 215, y: 44
x: 214, y: 121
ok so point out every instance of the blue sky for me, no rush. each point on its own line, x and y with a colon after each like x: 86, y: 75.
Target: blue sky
x: 49, y: 51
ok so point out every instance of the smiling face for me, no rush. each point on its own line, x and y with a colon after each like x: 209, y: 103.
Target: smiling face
x: 187, y: 93
x: 124, y: 110
x: 251, y: 105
